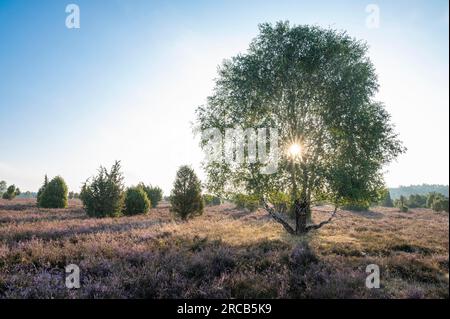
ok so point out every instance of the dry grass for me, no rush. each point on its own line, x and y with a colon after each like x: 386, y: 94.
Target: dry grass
x: 225, y: 253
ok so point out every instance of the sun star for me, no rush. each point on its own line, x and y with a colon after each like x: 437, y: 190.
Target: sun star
x: 294, y: 150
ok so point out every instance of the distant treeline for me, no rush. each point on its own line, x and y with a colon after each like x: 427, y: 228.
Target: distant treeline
x: 423, y: 189
x: 27, y: 195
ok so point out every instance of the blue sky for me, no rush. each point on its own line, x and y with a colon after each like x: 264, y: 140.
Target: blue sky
x: 126, y: 84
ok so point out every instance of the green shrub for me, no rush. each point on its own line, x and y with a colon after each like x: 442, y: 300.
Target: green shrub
x: 11, y: 192
x: 281, y: 202
x: 248, y: 202
x: 154, y: 193
x: 385, y: 199
x: 73, y: 195
x: 401, y: 204
x: 437, y: 202
x: 104, y: 196
x: 2, y: 187
x: 54, y: 194
x: 440, y: 204
x: 41, y: 190
x: 136, y: 201
x: 211, y: 200
x: 430, y: 198
x: 417, y: 201
x: 357, y: 206
x: 186, y: 197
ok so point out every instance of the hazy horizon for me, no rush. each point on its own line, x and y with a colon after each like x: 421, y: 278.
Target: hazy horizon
x: 126, y: 84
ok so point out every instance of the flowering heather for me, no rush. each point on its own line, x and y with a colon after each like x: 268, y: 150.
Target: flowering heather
x: 225, y: 253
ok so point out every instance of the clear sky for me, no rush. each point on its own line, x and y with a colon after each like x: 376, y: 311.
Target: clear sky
x: 126, y: 84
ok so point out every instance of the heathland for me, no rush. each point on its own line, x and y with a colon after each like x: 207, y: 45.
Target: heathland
x: 225, y: 253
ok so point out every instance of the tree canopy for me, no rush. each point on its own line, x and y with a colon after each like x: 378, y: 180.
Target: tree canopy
x: 316, y: 87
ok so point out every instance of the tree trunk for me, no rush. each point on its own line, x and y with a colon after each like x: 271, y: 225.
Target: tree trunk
x: 301, y: 215
x: 308, y: 213
x: 300, y: 210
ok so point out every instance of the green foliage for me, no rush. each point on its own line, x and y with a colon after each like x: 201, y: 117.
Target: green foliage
x: 53, y: 194
x: 385, y: 198
x: 104, y: 195
x: 186, y: 197
x: 136, y: 201
x: 432, y: 197
x: 248, y: 202
x: 437, y: 202
x: 401, y: 204
x: 404, y: 209
x: 357, y: 206
x: 73, y: 195
x: 11, y: 192
x: 42, y: 189
x: 211, y: 200
x: 281, y: 201
x: 27, y: 195
x: 316, y: 87
x: 423, y: 189
x: 154, y: 193
x: 6, y: 196
x: 417, y: 201
x: 440, y: 205
x: 2, y: 187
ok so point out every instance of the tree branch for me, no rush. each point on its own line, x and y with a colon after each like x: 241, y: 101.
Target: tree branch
x: 278, y: 218
x: 317, y: 226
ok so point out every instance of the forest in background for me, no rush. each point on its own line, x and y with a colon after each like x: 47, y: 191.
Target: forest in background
x: 423, y: 189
